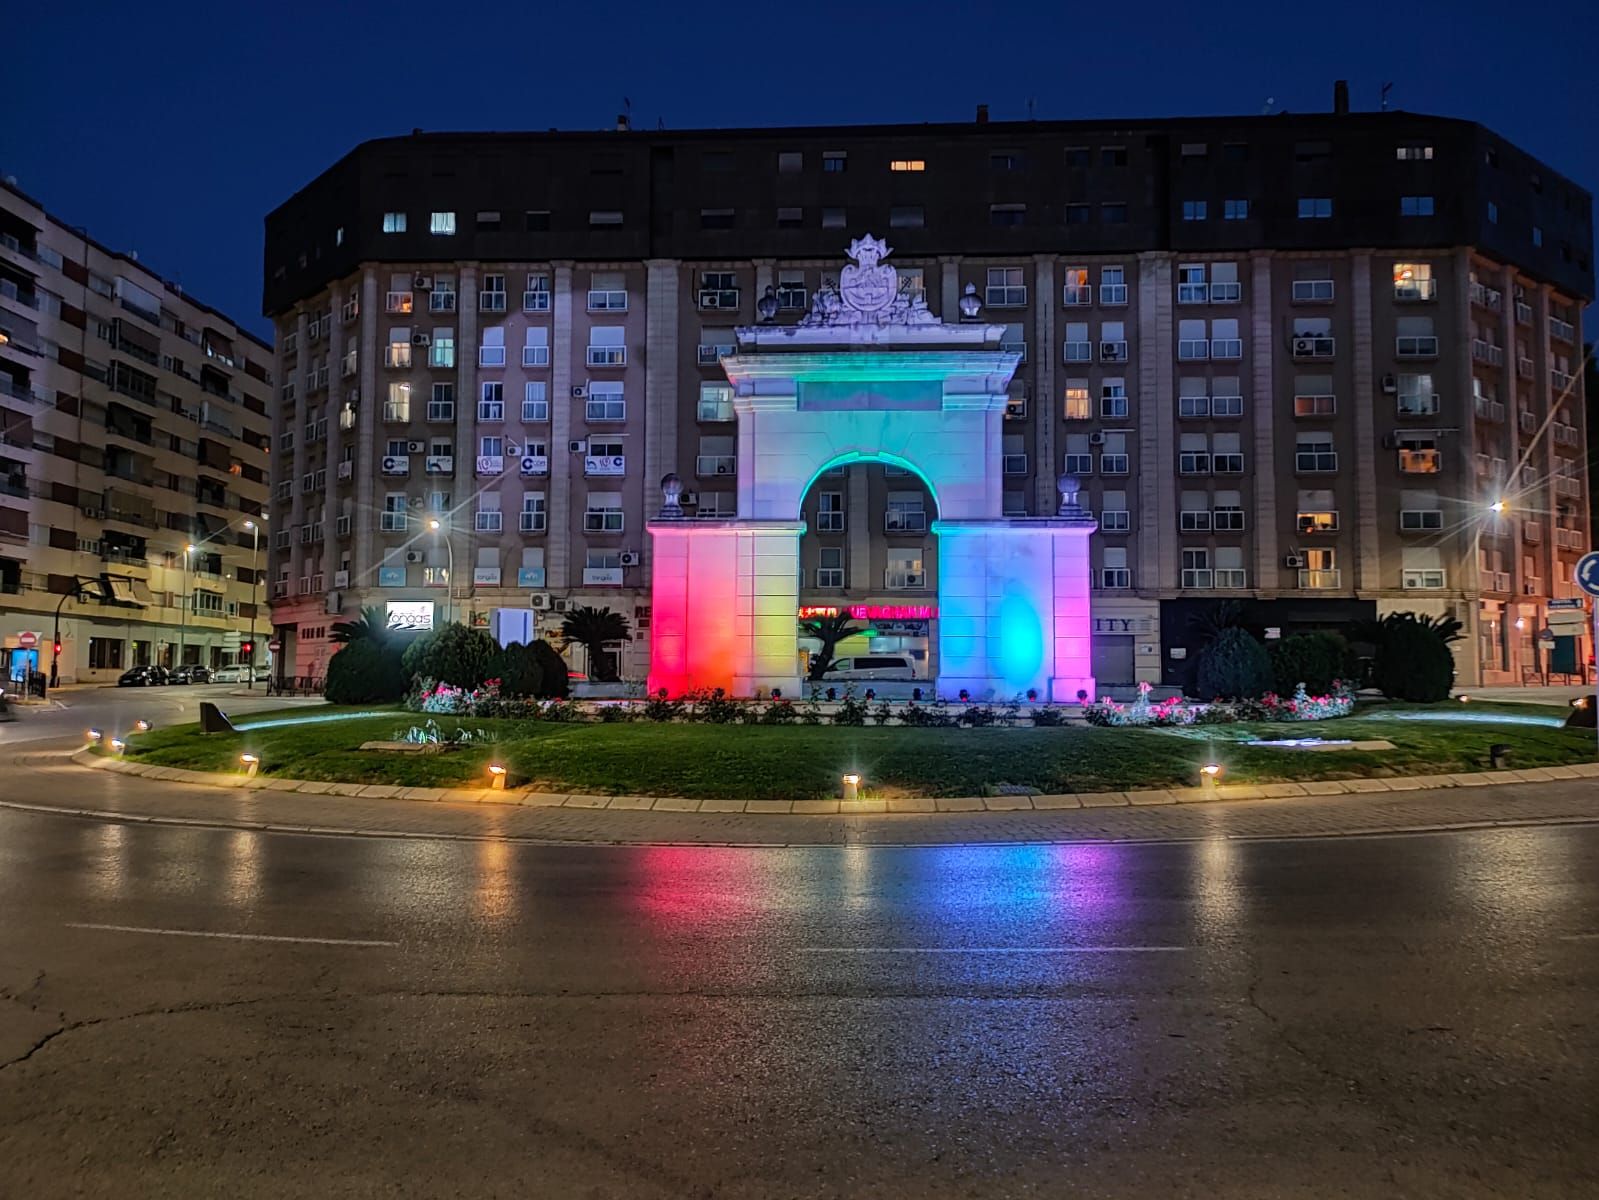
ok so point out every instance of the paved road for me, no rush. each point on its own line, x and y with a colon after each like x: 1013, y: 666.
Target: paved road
x: 75, y: 709
x: 1366, y: 1017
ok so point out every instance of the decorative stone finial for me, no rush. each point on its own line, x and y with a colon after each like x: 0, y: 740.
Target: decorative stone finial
x: 970, y: 303
x: 766, y: 306
x: 1068, y: 486
x: 671, y: 496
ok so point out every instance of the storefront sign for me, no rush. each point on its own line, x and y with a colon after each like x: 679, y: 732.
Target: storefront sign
x: 410, y: 616
x: 873, y: 612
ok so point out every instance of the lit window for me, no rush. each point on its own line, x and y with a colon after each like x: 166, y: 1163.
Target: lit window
x: 394, y: 222
x: 442, y: 222
x: 1194, y: 210
x: 1493, y: 213
x: 1415, y: 206
x: 1413, y: 153
x: 1315, y: 208
x: 1077, y: 406
x: 1235, y: 210
x: 907, y: 164
x: 605, y: 217
x: 1537, y: 236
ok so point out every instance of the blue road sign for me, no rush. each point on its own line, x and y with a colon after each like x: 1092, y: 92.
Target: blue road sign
x: 1587, y: 572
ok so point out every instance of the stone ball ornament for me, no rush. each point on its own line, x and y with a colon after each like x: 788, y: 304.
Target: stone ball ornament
x: 671, y: 495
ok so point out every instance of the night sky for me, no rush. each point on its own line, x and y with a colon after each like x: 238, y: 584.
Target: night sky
x: 171, y: 129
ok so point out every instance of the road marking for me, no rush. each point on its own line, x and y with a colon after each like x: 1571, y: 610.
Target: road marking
x: 993, y: 949
x: 238, y: 937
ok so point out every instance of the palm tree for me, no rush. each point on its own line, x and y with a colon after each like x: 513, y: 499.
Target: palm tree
x: 370, y: 624
x: 594, y: 629
x: 830, y: 631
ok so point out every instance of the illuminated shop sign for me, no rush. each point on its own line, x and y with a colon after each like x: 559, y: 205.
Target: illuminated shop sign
x: 873, y: 612
x: 410, y: 615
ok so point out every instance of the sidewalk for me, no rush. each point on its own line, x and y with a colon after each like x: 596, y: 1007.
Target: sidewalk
x: 51, y: 781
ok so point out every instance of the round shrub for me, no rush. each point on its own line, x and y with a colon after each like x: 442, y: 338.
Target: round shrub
x: 1413, y: 663
x: 1313, y: 659
x: 555, y: 681
x: 453, y: 654
x: 518, y: 669
x: 1234, y: 666
x: 365, y: 671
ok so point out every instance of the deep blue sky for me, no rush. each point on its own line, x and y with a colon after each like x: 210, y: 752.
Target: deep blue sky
x: 172, y: 128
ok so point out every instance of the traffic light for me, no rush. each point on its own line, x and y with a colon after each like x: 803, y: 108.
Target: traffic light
x: 58, y: 648
x: 247, y: 647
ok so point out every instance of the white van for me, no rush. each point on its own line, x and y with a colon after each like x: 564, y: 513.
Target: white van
x: 871, y: 666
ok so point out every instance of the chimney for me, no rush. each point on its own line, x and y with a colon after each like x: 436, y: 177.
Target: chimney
x: 982, y: 114
x: 623, y: 123
x: 1341, y: 97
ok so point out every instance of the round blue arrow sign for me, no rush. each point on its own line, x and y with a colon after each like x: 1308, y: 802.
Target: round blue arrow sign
x: 1587, y: 573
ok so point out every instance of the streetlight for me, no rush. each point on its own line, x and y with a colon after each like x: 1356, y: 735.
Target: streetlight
x: 440, y: 528
x: 255, y: 591
x: 183, y: 619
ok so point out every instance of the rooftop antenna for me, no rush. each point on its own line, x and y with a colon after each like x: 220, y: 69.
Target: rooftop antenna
x: 1386, y: 88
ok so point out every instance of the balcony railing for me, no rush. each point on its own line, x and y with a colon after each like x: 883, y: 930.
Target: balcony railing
x: 393, y: 522
x: 1112, y: 294
x: 904, y: 581
x: 1415, y: 289
x: 491, y: 301
x: 1320, y: 580
x: 531, y: 522
x: 441, y: 301
x: 488, y: 520
x: 1486, y: 352
x: 709, y: 356
x: 1418, y: 404
x: 1420, y: 462
x: 707, y: 465
x: 1312, y: 291
x: 1226, y: 349
x: 1312, y: 346
x: 607, y: 300
x: 1113, y: 352
x: 604, y: 520
x: 1226, y: 293
x: 1192, y: 293
x: 1077, y: 295
x: 1193, y: 349
x: 607, y: 356
x: 1416, y: 347
x: 1015, y: 464
x: 535, y: 356
x: 904, y: 520
x: 999, y: 296
x: 535, y: 301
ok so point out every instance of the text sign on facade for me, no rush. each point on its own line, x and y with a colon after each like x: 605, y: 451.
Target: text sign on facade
x: 872, y: 612
x: 411, y: 616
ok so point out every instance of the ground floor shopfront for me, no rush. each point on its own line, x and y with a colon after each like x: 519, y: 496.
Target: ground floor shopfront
x: 98, y: 646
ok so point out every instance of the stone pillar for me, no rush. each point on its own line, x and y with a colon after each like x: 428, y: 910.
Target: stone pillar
x: 368, y: 423
x: 858, y: 527
x: 1041, y: 406
x: 1157, y: 563
x: 565, y: 468
x: 661, y: 401
x: 1368, y: 561
x: 1263, y: 412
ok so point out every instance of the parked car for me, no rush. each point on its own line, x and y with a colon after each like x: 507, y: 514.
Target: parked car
x: 234, y: 674
x: 263, y: 674
x: 147, y: 675
x: 871, y: 666
x: 192, y: 673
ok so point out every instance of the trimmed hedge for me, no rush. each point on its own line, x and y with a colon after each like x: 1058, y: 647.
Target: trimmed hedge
x: 366, y: 671
x: 1234, y: 667
x: 1313, y: 659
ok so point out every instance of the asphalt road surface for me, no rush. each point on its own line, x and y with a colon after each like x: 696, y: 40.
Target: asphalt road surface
x: 200, y: 1012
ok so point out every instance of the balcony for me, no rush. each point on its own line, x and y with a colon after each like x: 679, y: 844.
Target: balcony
x: 1523, y: 313
x: 1416, y: 347
x: 1488, y: 410
x: 1418, y: 404
x: 1198, y: 577
x: 393, y: 522
x: 1315, y: 462
x: 904, y: 581
x: 1113, y: 464
x: 1113, y: 294
x: 533, y: 465
x: 1113, y: 352
x: 604, y: 464
x: 1226, y: 349
x: 441, y: 410
x: 397, y: 355
x: 491, y: 464
x: 1486, y: 297
x: 531, y: 522
x: 708, y: 465
x: 905, y: 520
x: 441, y: 301
x: 491, y: 356
x: 488, y: 520
x: 1079, y: 352
x: 1486, y: 352
x: 1192, y: 293
x: 535, y: 301
x: 1420, y: 461
x: 439, y: 464
x: 607, y: 356
x: 829, y: 521
x: 398, y: 302
x: 1524, y: 368
x: 1531, y: 532
x: 1312, y: 291
x: 1312, y: 346
x: 1320, y: 580
x: 602, y: 576
x: 1227, y: 464
x: 1560, y: 381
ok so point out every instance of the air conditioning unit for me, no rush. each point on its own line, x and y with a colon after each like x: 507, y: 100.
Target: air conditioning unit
x: 1294, y: 560
x: 423, y: 283
x: 578, y: 447
x: 415, y: 447
x: 414, y: 556
x: 690, y: 498
x: 1390, y: 384
x: 94, y: 514
x: 1096, y: 439
x: 1304, y: 346
x: 560, y: 605
x: 915, y: 580
x: 539, y: 600
x: 629, y: 558
x: 723, y: 468
x: 579, y: 390
x: 421, y: 339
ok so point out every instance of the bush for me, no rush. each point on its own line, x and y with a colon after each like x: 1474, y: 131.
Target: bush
x: 453, y: 654
x: 1313, y: 659
x: 977, y: 715
x: 852, y: 709
x: 1413, y: 661
x: 518, y: 669
x: 615, y: 714
x: 660, y: 707
x: 555, y: 681
x: 365, y: 672
x: 1048, y: 717
x: 714, y: 706
x: 1234, y: 666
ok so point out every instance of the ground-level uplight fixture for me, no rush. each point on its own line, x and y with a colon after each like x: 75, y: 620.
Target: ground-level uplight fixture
x: 497, y: 777
x: 1580, y: 702
x: 118, y: 745
x: 93, y: 736
x: 1464, y: 698
x: 142, y: 725
x: 1209, y: 774
x: 852, y: 786
x: 252, y: 764
x: 1499, y: 755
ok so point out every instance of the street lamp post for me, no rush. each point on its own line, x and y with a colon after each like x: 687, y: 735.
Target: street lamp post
x: 183, y: 617
x: 443, y: 531
x: 255, y: 591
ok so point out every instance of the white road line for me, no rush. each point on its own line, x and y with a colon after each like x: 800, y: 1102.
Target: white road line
x: 238, y: 937
x: 993, y: 949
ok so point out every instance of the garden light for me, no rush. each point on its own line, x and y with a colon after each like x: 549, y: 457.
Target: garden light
x: 1580, y: 702
x: 497, y: 777
x: 117, y: 745
x: 1209, y: 774
x: 852, y: 786
x: 142, y: 725
x: 1465, y: 699
x: 94, y: 735
x: 251, y: 764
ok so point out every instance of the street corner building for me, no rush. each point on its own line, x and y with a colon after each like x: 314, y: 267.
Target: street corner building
x: 133, y: 462
x: 1027, y: 397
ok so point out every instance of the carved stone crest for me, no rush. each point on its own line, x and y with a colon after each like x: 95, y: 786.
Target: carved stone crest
x: 868, y: 292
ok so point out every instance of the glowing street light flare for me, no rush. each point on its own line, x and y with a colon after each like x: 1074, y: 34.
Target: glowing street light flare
x: 1498, y: 506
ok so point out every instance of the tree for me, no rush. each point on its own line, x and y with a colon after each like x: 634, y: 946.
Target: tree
x: 594, y: 629
x: 365, y: 671
x: 1233, y: 667
x: 452, y: 654
x: 555, y: 681
x: 830, y: 631
x: 1413, y: 657
x: 1314, y: 659
x: 519, y: 671
x: 1209, y: 623
x: 370, y: 624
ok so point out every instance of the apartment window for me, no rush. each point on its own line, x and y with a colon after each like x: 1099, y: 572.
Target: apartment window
x: 1112, y: 285
x: 1413, y: 152
x: 442, y: 406
x: 1113, y: 156
x: 830, y: 567
x: 1078, y: 156
x: 1193, y: 456
x: 1314, y: 453
x: 1194, y: 150
x: 834, y: 218
x: 1076, y: 406
x: 1227, y: 512
x: 1113, y: 459
x: 1113, y: 399
x: 1192, y: 344
x: 1078, y: 348
x: 904, y: 571
x: 605, y: 401
x: 1235, y: 210
x: 606, y: 346
x: 1077, y: 214
x: 536, y: 346
x: 1421, y: 568
x: 1227, y: 454
x: 716, y: 218
x: 1007, y: 216
x: 1113, y: 571
x: 398, y: 406
x: 603, y: 513
x: 791, y: 290
x: 1493, y: 213
x: 1076, y: 290
x: 492, y: 352
x: 790, y: 162
x: 1113, y: 514
x: 1415, y: 206
x: 906, y: 216
x: 532, y: 520
x: 536, y: 220
x: 442, y: 352
x: 491, y: 402
x: 1113, y: 341
x: 1537, y: 236
x: 1079, y: 458
x: 491, y: 297
x: 1228, y: 397
x: 1419, y: 454
x: 1193, y: 398
x: 904, y: 513
x: 1315, y: 208
x: 1191, y: 285
x: 1194, y: 210
x: 491, y: 446
x: 1006, y: 288
x: 1414, y: 281
x: 1224, y: 285
x: 442, y: 223
x: 830, y: 512
x: 907, y: 164
x: 1196, y: 568
x: 394, y: 222
x: 1416, y: 397
x: 605, y: 218
x: 1420, y: 511
x: 790, y: 218
x: 835, y: 162
x: 1113, y: 213
x: 1004, y: 160
x: 716, y: 402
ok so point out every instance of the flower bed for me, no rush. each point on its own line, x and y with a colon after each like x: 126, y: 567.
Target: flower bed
x: 1177, y: 711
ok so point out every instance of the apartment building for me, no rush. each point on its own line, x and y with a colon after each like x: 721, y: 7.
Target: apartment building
x: 133, y: 462
x: 1325, y: 364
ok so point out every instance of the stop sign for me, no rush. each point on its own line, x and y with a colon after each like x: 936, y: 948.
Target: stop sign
x: 27, y: 640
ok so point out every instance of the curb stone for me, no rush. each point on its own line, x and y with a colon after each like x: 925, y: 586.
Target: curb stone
x: 907, y: 804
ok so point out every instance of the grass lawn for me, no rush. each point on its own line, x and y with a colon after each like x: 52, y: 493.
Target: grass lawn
x: 801, y: 762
